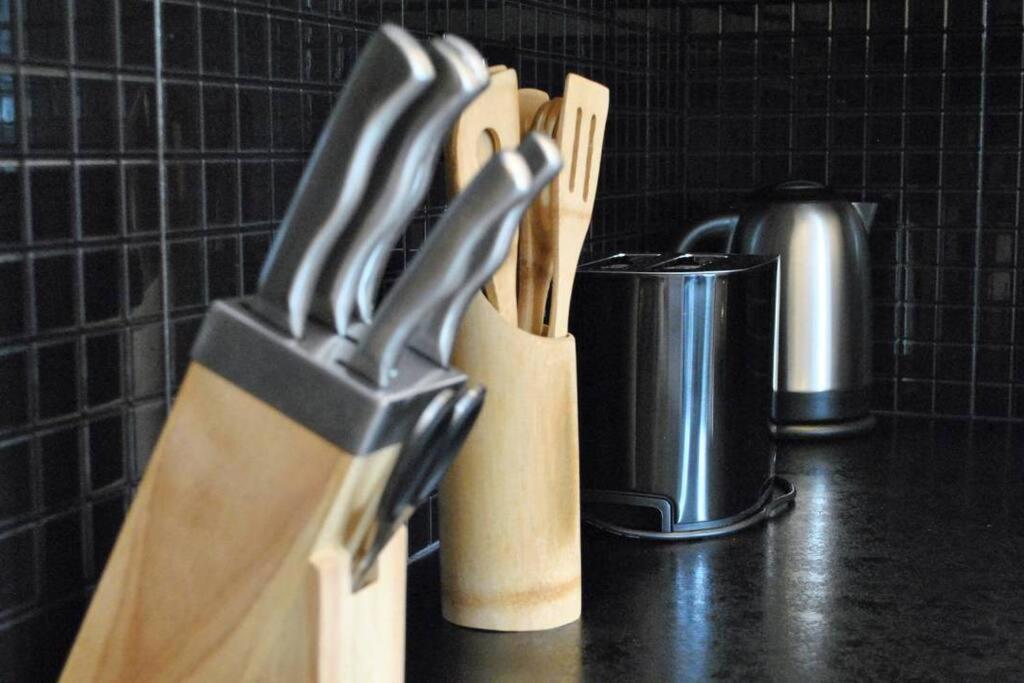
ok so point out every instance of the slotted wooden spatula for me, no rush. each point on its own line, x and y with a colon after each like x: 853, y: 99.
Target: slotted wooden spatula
x: 580, y: 137
x: 489, y: 124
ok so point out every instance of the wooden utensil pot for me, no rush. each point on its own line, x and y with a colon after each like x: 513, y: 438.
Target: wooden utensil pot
x: 510, y: 506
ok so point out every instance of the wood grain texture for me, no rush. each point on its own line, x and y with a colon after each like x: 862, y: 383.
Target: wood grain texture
x: 510, y: 505
x: 231, y: 564
x: 489, y: 124
x: 580, y: 137
x: 527, y: 281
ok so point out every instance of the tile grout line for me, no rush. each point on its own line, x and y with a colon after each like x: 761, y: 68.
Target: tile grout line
x: 161, y: 147
x: 978, y: 215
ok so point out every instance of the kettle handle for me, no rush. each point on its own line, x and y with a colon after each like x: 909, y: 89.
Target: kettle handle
x: 716, y: 229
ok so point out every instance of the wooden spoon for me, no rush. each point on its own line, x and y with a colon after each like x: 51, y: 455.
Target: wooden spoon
x: 536, y: 257
x: 580, y: 136
x: 489, y: 124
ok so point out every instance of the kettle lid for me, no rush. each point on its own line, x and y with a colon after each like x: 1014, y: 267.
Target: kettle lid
x: 795, y: 190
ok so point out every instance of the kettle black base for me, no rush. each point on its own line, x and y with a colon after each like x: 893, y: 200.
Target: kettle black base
x: 822, y: 430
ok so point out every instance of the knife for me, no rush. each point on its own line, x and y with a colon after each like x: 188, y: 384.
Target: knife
x: 373, y: 272
x: 443, y: 264
x: 399, y: 181
x: 390, y: 73
x: 436, y: 337
x: 428, y: 428
x: 424, y: 462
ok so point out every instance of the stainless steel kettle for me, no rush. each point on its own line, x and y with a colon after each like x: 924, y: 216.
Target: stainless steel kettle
x: 822, y: 368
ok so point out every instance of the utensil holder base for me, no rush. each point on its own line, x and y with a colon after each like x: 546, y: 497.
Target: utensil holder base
x: 510, y: 505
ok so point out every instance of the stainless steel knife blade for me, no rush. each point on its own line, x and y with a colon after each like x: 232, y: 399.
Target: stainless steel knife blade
x: 390, y: 73
x: 443, y: 264
x: 395, y: 188
x: 436, y: 336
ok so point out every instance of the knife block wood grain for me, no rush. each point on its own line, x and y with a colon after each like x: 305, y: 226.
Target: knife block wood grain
x: 232, y: 565
x: 510, y: 505
x: 489, y: 124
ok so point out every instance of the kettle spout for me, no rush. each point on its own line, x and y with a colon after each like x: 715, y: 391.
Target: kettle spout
x: 867, y: 211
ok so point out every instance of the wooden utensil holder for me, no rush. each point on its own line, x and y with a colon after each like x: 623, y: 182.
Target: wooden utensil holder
x: 233, y: 564
x: 510, y: 505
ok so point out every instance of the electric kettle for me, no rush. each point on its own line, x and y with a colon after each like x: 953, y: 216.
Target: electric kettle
x: 822, y: 368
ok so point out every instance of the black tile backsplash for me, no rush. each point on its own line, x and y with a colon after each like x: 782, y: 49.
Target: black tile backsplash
x: 148, y: 149
x: 915, y: 104
x: 132, y: 195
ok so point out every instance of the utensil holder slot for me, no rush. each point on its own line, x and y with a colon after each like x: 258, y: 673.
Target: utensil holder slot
x: 510, y: 505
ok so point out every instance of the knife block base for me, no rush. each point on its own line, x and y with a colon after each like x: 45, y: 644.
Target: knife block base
x: 233, y: 562
x: 510, y: 504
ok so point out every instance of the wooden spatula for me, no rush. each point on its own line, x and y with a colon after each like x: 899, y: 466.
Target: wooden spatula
x: 580, y: 137
x: 530, y: 102
x: 489, y: 124
x: 536, y: 251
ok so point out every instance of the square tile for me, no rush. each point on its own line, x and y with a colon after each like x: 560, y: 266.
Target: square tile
x: 14, y: 376
x: 181, y: 116
x: 48, y: 113
x: 103, y: 275
x: 94, y: 32
x: 62, y: 563
x: 51, y: 205
x: 11, y: 198
x: 56, y: 282
x: 57, y: 369
x: 17, y: 571
x: 222, y: 267
x: 137, y: 34
x: 15, y: 483
x: 139, y: 116
x: 12, y: 303
x: 184, y: 195
x: 180, y: 37
x: 219, y: 129
x: 185, y: 274
x: 104, y: 368
x: 142, y: 199
x: 99, y: 191
x: 253, y: 42
x: 97, y: 114
x: 60, y: 466
x: 45, y: 30
x: 218, y: 45
x: 106, y: 451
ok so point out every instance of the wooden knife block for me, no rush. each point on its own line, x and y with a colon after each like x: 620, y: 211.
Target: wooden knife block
x: 510, y: 505
x: 232, y: 563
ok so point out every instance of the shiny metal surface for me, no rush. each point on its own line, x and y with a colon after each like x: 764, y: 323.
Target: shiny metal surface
x: 436, y: 336
x: 304, y: 379
x: 824, y: 320
x: 429, y: 451
x: 390, y: 73
x: 373, y: 273
x: 398, y: 184
x: 674, y: 358
x: 443, y: 264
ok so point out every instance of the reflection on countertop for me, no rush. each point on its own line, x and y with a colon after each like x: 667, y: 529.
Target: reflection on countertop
x: 903, y: 558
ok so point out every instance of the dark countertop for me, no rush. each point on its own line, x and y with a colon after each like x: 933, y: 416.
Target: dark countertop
x: 902, y: 558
